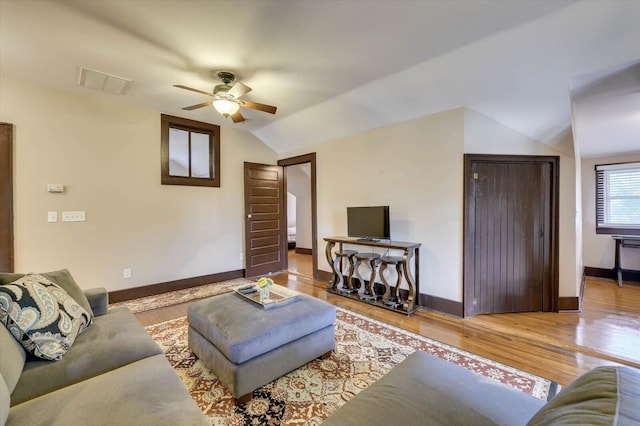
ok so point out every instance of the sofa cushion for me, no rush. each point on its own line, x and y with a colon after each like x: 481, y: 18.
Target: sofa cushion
x: 426, y: 390
x: 145, y: 393
x: 63, y: 278
x: 114, y: 340
x: 41, y: 316
x: 12, y: 358
x: 603, y: 396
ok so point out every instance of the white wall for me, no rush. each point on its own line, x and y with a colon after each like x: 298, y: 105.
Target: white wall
x: 107, y: 154
x: 416, y: 168
x: 599, y: 249
x: 291, y: 210
x: 304, y: 237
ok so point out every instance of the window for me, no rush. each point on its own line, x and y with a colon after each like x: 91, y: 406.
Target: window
x: 618, y: 198
x: 190, y: 152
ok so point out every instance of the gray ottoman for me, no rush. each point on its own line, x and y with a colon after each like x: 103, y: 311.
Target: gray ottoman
x: 247, y: 346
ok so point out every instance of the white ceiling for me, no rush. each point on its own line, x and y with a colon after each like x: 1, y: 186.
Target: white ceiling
x: 336, y: 68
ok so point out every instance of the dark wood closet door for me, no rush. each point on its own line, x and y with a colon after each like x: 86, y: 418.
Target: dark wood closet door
x: 508, y: 236
x: 6, y: 197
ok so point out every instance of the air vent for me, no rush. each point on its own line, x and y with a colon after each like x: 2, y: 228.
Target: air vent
x: 102, y: 81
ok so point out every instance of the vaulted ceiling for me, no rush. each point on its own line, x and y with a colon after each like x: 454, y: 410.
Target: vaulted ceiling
x: 336, y: 68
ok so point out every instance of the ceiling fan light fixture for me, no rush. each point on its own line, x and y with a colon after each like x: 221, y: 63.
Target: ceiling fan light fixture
x: 226, y: 98
x: 226, y: 107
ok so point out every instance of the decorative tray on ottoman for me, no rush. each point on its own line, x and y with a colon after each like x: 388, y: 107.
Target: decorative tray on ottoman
x: 278, y: 295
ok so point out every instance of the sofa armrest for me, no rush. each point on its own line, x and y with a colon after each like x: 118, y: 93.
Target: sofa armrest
x: 98, y: 299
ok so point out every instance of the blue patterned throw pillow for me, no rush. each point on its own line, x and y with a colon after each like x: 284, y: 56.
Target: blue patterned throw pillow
x: 41, y: 316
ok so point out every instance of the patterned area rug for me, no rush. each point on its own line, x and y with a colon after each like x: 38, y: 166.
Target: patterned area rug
x: 180, y: 296
x: 366, y: 349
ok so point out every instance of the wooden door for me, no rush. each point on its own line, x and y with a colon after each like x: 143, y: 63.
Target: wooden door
x: 6, y: 197
x: 508, y: 234
x: 265, y: 219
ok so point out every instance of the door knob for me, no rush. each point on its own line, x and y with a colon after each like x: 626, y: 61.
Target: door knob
x: 248, y: 216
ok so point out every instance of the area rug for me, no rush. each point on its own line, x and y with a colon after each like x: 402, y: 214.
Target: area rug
x: 365, y: 350
x: 180, y: 296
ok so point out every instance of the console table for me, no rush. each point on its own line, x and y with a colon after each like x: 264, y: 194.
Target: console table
x: 632, y: 241
x: 410, y: 250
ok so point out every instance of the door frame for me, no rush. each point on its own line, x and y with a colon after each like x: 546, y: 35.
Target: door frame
x: 550, y: 293
x: 6, y: 194
x: 292, y: 161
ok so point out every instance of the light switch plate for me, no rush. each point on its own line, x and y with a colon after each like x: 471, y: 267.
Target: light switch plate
x: 55, y: 187
x: 77, y: 216
x: 52, y: 217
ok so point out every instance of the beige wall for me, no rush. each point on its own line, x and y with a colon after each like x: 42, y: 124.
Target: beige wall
x: 416, y: 168
x: 107, y: 154
x: 598, y: 249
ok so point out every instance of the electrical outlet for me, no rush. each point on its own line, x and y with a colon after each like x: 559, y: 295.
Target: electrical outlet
x: 127, y: 273
x: 52, y: 217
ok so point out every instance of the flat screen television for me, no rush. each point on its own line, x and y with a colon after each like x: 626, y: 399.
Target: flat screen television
x: 368, y: 223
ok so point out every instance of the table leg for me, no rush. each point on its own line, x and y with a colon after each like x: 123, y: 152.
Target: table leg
x: 350, y: 288
x: 410, y: 303
x: 357, y: 279
x: 618, y: 265
x: 370, y: 294
x: 416, y: 271
x: 338, y: 280
x: 387, y: 287
x: 395, y: 297
x: 336, y: 274
x: 390, y: 297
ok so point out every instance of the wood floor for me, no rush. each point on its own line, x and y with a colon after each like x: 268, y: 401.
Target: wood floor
x: 300, y: 264
x: 558, y: 346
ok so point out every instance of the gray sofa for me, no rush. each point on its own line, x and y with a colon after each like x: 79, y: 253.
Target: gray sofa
x: 114, y: 374
x: 425, y: 390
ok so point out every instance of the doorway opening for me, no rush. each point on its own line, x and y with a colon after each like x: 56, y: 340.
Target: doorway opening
x: 299, y: 181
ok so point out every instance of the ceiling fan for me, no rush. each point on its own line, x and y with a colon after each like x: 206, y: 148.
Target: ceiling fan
x: 227, y: 98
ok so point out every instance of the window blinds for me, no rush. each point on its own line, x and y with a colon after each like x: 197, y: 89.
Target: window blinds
x: 618, y: 195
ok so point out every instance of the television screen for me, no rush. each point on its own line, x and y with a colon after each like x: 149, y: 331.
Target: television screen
x: 368, y: 223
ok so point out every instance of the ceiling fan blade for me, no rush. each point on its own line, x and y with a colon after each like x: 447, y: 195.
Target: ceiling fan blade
x: 239, y: 89
x: 180, y: 86
x: 262, y: 107
x: 237, y: 117
x: 192, y: 107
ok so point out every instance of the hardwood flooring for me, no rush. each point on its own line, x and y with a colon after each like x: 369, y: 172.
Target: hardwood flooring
x: 558, y: 346
x: 300, y: 264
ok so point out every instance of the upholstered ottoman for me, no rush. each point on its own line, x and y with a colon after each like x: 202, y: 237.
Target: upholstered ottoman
x: 248, y: 346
